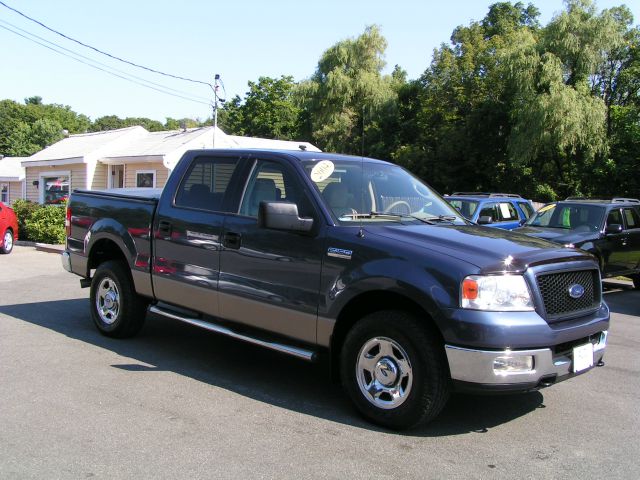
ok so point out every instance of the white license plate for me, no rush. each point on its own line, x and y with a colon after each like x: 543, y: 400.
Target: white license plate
x: 582, y: 357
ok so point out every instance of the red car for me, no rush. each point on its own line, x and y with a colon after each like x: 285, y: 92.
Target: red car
x: 8, y: 228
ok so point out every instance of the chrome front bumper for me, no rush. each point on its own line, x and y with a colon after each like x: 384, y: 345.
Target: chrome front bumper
x: 478, y: 367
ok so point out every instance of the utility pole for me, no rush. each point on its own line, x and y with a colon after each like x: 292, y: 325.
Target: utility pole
x: 216, y: 84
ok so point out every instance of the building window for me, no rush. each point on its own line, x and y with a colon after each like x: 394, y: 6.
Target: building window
x: 146, y: 178
x: 4, y: 193
x: 55, y: 189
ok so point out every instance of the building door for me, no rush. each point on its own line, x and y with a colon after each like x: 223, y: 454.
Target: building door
x: 116, y: 179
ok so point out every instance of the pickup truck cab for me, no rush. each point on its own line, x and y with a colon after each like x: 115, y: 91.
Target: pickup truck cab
x: 313, y: 253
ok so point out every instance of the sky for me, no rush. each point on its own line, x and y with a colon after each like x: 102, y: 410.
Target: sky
x: 239, y: 40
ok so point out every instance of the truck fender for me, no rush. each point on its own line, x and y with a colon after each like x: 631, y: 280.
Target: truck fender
x: 109, y: 229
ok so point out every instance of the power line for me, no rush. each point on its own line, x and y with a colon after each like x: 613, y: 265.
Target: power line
x: 95, y: 61
x: 102, y: 69
x: 103, y: 52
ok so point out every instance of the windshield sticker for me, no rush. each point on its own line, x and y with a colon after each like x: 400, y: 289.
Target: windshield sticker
x: 546, y: 207
x: 504, y: 209
x: 322, y: 171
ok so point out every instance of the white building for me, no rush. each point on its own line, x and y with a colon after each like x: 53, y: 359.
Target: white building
x: 12, y: 179
x: 126, y: 158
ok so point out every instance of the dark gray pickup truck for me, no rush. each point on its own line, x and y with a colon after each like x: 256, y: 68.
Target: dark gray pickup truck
x: 351, y: 259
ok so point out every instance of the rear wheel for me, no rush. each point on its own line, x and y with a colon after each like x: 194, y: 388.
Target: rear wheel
x: 394, y: 369
x: 7, y: 241
x: 117, y: 310
x: 636, y: 281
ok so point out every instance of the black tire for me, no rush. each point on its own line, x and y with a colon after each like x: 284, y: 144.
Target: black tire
x: 636, y: 281
x: 116, y: 309
x: 425, y: 383
x: 7, y: 236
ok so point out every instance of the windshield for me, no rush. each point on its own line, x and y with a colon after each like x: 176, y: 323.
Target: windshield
x: 580, y: 218
x: 372, y: 192
x: 466, y: 207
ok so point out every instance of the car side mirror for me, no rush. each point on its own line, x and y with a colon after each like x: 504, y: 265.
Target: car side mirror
x: 613, y: 229
x: 282, y: 216
x: 485, y: 220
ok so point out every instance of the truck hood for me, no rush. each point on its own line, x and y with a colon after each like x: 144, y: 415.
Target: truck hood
x: 488, y: 249
x: 557, y: 235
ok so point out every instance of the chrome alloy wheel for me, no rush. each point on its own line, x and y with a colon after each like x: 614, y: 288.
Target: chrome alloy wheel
x: 384, y: 373
x: 8, y: 241
x: 108, y: 301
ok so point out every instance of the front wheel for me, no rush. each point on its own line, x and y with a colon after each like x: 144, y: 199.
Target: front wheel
x: 394, y: 369
x: 117, y: 310
x: 7, y: 241
x: 636, y: 281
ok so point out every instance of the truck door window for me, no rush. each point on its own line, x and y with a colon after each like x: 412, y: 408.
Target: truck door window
x: 273, y: 182
x: 527, y: 209
x: 614, y: 218
x: 490, y: 210
x: 632, y: 218
x: 205, y: 184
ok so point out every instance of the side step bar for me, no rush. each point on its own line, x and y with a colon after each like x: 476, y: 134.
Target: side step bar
x: 304, y: 354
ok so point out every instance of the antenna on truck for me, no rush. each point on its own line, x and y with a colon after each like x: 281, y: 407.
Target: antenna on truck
x: 361, y: 231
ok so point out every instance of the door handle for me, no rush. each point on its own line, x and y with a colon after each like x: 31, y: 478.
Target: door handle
x: 232, y: 240
x: 164, y: 228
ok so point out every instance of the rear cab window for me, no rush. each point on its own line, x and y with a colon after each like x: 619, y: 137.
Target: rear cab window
x: 205, y: 184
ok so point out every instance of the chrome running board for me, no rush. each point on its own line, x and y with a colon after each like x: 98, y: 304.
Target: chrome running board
x: 298, y: 352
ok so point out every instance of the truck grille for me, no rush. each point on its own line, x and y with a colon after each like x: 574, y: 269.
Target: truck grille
x: 555, y: 292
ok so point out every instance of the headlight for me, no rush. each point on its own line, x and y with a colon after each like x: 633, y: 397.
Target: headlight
x: 496, y: 293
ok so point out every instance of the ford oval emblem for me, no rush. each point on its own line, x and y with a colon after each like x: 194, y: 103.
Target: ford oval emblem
x: 576, y: 290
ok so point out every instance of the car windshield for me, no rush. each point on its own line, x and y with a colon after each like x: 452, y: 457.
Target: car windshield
x: 465, y: 207
x: 580, y: 218
x: 373, y: 192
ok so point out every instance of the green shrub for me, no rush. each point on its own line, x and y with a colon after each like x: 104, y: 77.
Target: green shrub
x: 24, y: 209
x: 544, y: 193
x: 46, y: 224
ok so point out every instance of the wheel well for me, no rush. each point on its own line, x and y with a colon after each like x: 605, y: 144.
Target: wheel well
x: 104, y: 250
x: 368, y: 303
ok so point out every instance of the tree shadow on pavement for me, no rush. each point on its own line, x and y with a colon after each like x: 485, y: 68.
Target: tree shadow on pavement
x: 257, y: 373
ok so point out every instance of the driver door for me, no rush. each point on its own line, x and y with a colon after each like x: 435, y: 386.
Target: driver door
x: 270, y: 279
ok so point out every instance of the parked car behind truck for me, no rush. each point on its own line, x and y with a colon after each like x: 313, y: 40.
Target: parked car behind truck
x: 499, y: 210
x: 607, y: 228
x: 8, y: 228
x: 308, y: 254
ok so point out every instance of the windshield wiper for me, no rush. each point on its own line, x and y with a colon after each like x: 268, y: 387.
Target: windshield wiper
x: 442, y: 218
x: 401, y: 215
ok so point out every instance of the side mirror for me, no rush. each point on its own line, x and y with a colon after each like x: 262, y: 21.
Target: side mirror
x: 282, y: 216
x: 613, y: 229
x: 485, y: 220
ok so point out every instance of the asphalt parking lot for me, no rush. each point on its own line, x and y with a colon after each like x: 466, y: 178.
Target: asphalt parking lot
x: 179, y: 402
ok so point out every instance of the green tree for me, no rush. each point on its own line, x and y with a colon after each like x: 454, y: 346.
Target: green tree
x: 457, y: 114
x: 347, y: 85
x: 113, y: 122
x: 177, y: 124
x: 26, y: 129
x: 268, y: 110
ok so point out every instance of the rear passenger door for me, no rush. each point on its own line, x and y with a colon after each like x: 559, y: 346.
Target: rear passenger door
x: 188, y: 229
